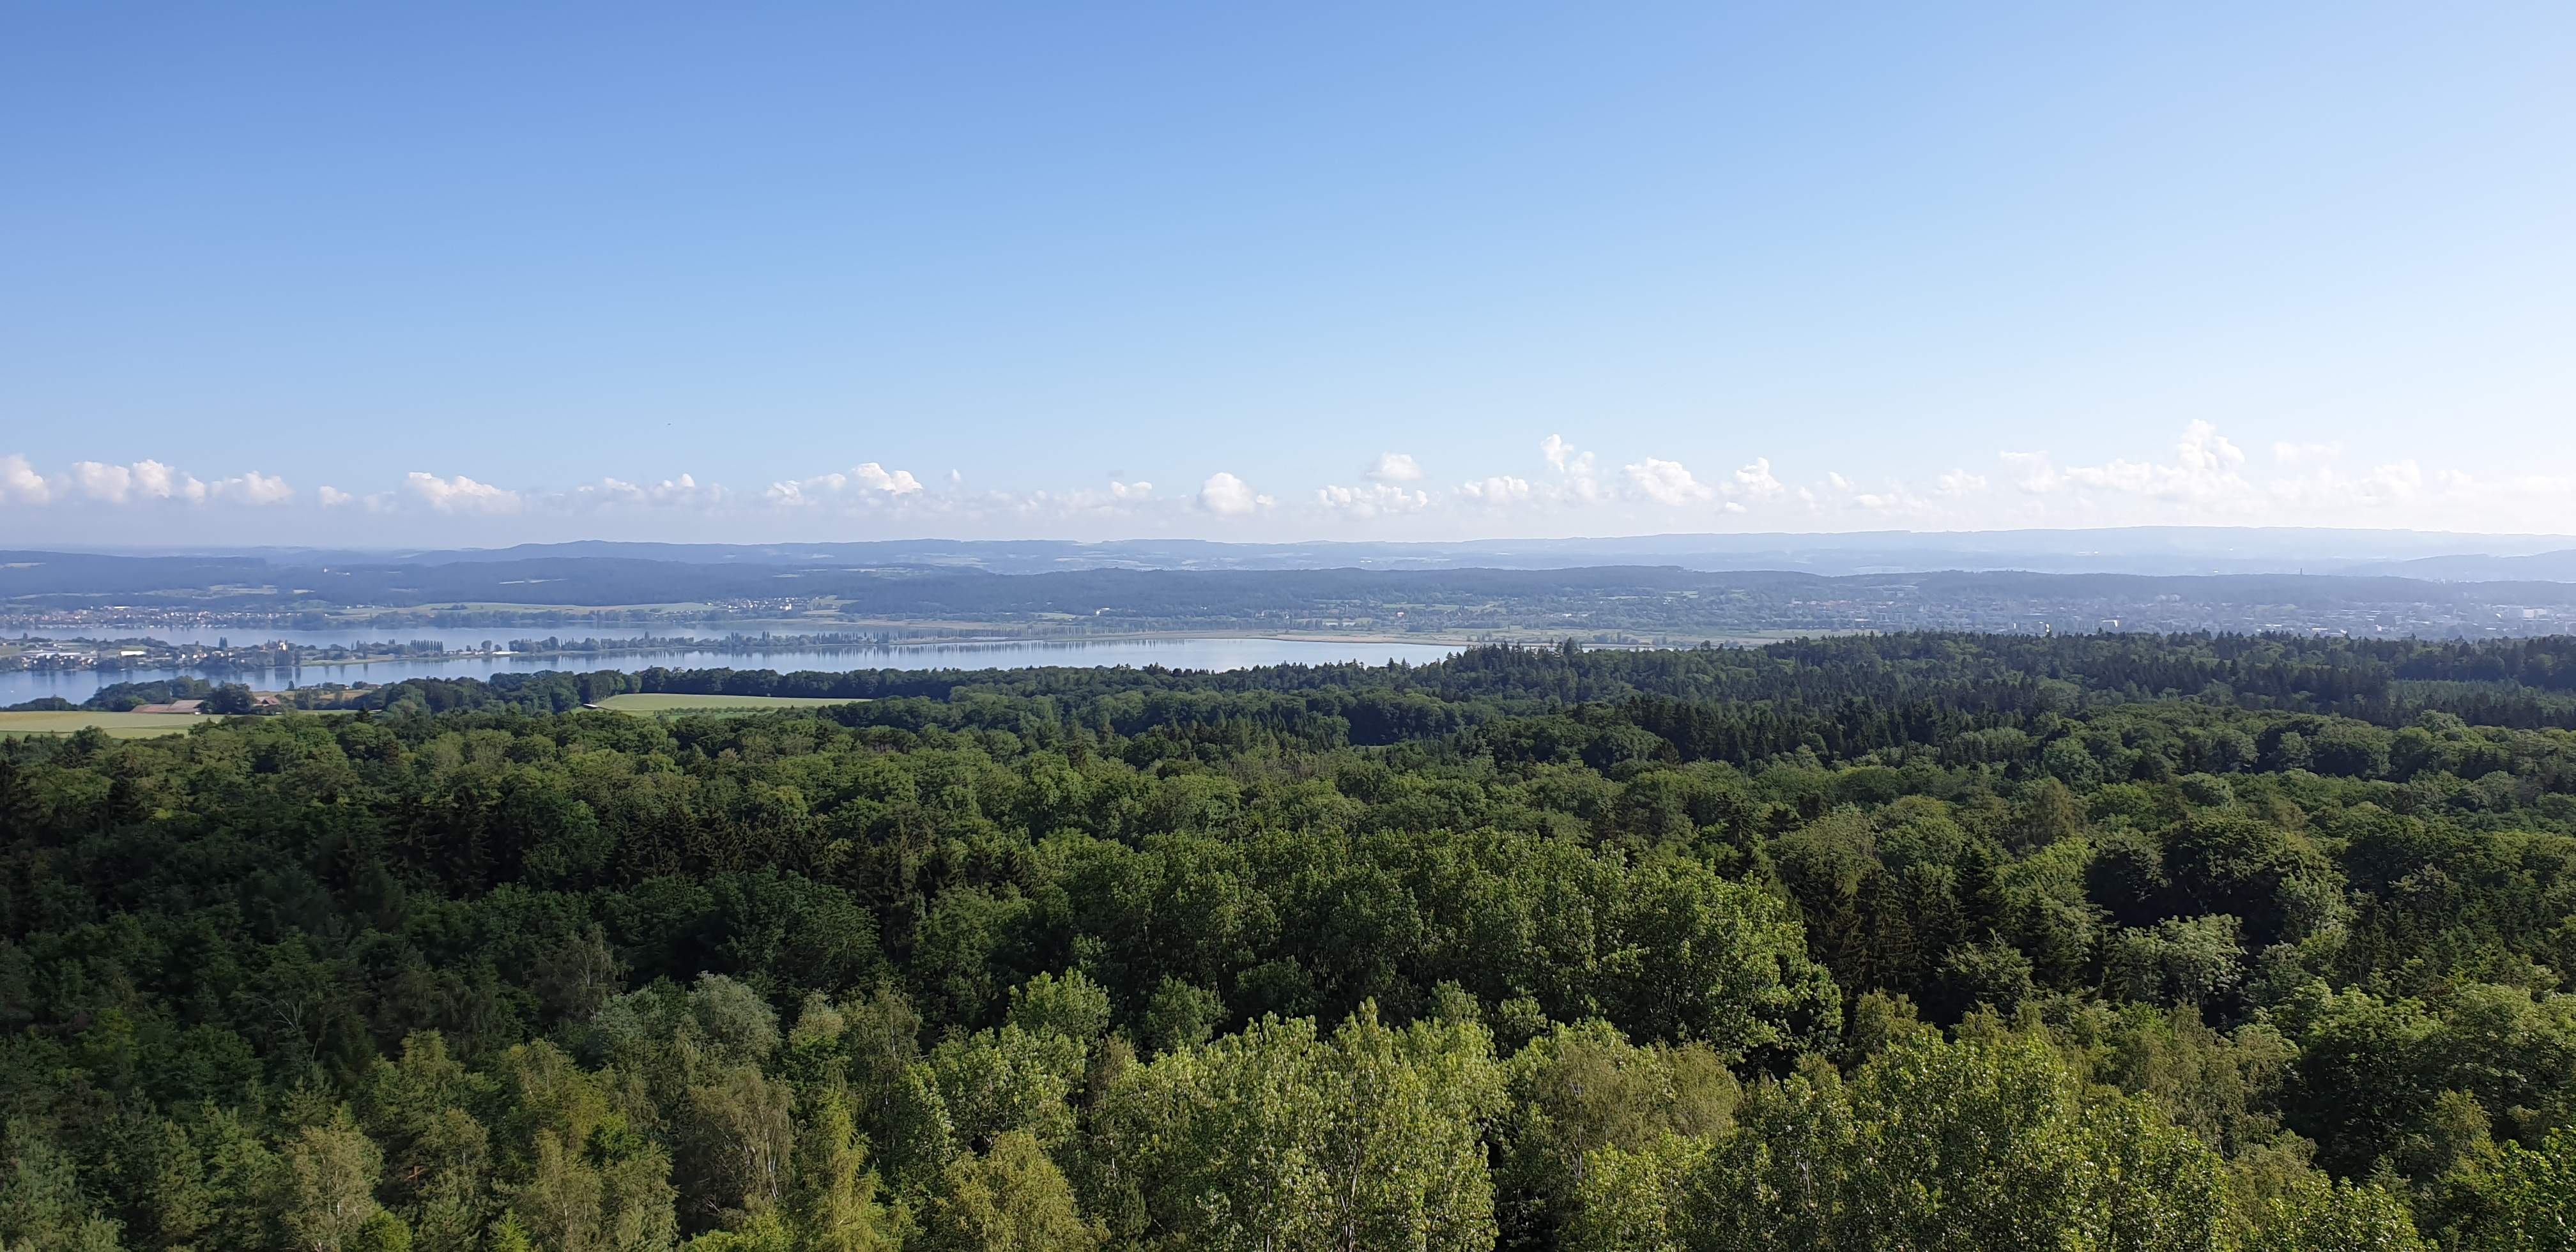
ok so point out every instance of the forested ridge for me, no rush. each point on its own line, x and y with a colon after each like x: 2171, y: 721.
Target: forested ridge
x: 1914, y: 941
x: 1644, y: 603
x: 927, y: 589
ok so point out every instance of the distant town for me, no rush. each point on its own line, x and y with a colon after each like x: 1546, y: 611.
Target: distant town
x: 29, y: 652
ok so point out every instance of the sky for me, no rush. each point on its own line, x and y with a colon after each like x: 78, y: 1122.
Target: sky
x: 466, y: 273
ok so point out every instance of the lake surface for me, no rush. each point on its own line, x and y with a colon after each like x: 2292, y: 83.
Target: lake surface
x: 447, y: 636
x: 1207, y: 654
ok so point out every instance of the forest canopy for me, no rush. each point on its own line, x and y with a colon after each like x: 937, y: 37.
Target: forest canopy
x: 1921, y: 941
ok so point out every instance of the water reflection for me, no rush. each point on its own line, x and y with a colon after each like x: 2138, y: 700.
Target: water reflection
x: 1200, y: 653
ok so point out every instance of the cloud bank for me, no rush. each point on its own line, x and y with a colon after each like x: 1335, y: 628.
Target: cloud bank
x: 2200, y: 476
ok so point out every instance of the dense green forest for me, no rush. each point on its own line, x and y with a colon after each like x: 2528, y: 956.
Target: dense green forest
x: 1919, y: 941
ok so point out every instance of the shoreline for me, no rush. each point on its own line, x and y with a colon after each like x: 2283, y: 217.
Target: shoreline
x: 781, y: 653
x: 1003, y: 638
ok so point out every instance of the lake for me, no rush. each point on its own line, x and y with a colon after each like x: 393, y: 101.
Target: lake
x: 1207, y: 654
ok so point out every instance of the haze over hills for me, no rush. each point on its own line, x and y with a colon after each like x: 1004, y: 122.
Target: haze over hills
x: 934, y: 587
x: 1678, y: 587
x: 2155, y: 550
x: 2557, y: 566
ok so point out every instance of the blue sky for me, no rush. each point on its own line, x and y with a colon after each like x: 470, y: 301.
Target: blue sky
x: 466, y: 273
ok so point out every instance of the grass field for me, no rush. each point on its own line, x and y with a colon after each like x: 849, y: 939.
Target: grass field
x: 123, y: 725
x: 653, y: 703
x: 117, y: 725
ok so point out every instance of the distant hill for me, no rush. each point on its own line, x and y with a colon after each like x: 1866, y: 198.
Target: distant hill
x: 2538, y: 567
x: 2155, y: 550
x: 1634, y: 597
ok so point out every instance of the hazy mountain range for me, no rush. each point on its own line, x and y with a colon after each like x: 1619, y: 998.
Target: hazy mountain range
x: 2154, y: 550
x: 1652, y: 588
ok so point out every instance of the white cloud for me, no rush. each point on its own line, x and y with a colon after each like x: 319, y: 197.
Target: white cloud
x: 101, y: 481
x: 152, y: 480
x: 2398, y: 482
x: 1395, y: 467
x: 875, y: 477
x: 1668, y: 483
x: 145, y: 480
x: 2207, y: 470
x: 252, y: 488
x: 1383, y: 498
x: 461, y: 494
x: 680, y: 492
x: 863, y: 480
x: 2032, y: 471
x: 1230, y: 496
x: 331, y: 497
x: 2208, y: 483
x: 2406, y: 493
x: 1756, y: 481
x: 1122, y: 500
x: 1575, y: 482
x: 2202, y: 477
x: 21, y: 483
x: 2206, y: 452
x: 1844, y: 492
